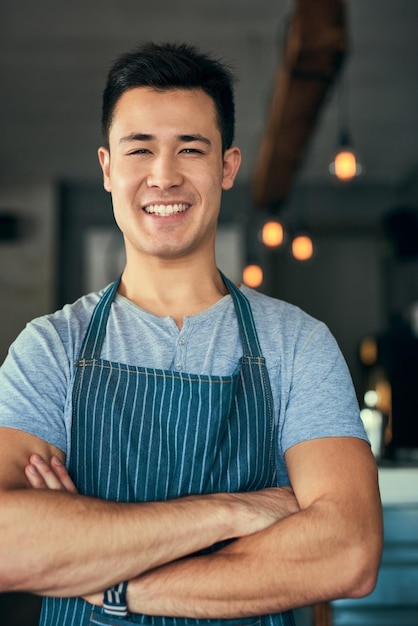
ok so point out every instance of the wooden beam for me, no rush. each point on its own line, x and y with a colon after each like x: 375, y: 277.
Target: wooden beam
x: 314, y: 50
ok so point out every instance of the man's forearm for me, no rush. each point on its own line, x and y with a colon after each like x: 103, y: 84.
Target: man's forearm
x: 69, y: 545
x: 330, y: 548
x: 61, y: 544
x: 297, y: 561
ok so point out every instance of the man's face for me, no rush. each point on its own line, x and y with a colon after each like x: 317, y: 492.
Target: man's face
x: 166, y: 172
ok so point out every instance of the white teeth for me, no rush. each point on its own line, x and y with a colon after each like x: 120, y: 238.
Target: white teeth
x: 166, y: 209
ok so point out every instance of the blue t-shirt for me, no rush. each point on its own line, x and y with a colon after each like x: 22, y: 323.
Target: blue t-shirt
x: 312, y: 389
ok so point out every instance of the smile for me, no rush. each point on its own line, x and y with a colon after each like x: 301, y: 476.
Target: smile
x: 166, y: 209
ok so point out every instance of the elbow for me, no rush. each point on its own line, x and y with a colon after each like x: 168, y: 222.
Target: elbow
x: 12, y: 578
x: 8, y: 578
x: 364, y: 583
x: 364, y: 570
x: 17, y: 579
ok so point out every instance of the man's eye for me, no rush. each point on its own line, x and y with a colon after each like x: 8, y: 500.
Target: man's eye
x: 192, y: 151
x: 140, y: 151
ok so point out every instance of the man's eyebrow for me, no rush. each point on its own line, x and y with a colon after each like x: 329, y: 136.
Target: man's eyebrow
x: 136, y: 137
x: 201, y: 138
x: 147, y: 137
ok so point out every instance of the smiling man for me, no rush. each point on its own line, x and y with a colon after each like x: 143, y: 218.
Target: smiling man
x: 165, y: 168
x: 177, y: 447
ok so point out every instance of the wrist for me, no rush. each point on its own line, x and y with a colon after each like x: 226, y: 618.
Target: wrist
x: 136, y: 596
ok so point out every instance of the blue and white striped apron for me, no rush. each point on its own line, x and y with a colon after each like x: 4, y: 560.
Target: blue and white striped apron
x: 142, y: 434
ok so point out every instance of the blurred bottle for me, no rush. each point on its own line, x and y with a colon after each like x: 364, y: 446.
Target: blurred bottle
x: 376, y: 409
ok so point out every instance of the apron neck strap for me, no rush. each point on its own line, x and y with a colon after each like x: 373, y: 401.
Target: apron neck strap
x: 249, y: 337
x: 93, y: 340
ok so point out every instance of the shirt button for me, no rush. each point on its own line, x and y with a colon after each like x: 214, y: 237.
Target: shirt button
x: 181, y: 341
x: 178, y: 366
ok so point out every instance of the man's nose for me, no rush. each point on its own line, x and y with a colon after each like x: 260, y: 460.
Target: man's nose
x: 164, y: 173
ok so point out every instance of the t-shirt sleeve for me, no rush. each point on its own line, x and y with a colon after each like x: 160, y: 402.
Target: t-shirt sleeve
x: 34, y: 383
x: 321, y: 400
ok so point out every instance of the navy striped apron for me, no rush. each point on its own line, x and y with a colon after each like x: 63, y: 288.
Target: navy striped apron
x: 142, y: 434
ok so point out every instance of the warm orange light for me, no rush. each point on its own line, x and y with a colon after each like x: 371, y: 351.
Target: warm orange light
x: 368, y: 351
x: 272, y: 234
x: 252, y: 275
x: 345, y: 165
x: 302, y: 248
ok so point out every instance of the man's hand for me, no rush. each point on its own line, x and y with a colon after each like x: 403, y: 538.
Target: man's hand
x: 52, y: 475
x: 259, y: 509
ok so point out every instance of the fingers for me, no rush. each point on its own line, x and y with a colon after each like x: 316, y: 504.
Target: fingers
x: 52, y: 475
x: 34, y: 477
x: 62, y: 474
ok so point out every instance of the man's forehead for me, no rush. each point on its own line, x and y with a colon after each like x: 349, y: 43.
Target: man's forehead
x: 153, y: 96
x: 143, y: 106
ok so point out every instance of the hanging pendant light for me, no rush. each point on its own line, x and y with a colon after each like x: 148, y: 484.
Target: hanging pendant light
x: 302, y: 247
x: 345, y: 164
x: 272, y: 233
x: 252, y: 275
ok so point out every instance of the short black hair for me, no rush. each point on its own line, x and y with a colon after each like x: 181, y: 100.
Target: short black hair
x: 172, y: 66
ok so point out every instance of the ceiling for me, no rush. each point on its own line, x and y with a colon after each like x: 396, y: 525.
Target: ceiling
x: 54, y: 57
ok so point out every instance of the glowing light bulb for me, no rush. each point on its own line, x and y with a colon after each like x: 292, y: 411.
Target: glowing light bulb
x: 345, y: 165
x: 368, y: 350
x: 272, y: 234
x: 302, y: 248
x: 252, y: 275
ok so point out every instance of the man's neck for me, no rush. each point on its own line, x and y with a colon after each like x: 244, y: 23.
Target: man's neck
x: 173, y: 289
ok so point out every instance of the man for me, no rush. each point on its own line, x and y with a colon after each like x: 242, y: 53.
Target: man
x: 151, y: 432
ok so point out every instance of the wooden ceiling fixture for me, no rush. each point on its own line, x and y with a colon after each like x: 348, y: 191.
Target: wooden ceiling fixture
x: 314, y: 50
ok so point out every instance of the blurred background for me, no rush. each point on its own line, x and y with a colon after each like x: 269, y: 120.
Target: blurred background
x: 313, y: 76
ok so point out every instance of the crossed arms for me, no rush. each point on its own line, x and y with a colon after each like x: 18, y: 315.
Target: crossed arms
x: 321, y: 541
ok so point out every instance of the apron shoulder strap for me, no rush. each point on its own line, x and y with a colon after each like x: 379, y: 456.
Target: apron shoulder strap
x: 250, y: 342
x: 93, y: 340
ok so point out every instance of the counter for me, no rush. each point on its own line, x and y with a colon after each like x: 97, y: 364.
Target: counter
x: 398, y: 485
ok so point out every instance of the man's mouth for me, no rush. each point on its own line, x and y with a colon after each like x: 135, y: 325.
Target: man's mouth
x: 164, y: 210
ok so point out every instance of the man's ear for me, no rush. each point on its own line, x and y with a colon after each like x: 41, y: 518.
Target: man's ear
x: 104, y: 160
x: 232, y: 162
